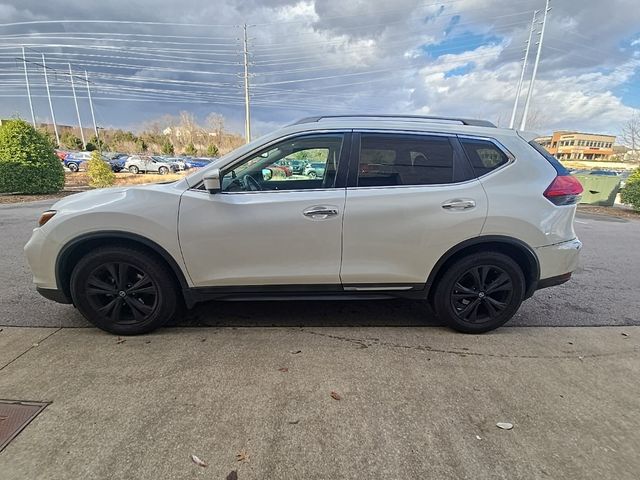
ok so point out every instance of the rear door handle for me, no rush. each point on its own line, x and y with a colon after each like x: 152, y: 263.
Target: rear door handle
x: 458, y: 204
x: 320, y: 212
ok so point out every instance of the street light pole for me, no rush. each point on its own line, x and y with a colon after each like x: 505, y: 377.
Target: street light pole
x: 26, y: 78
x: 524, y: 67
x: 247, y: 112
x: 75, y: 99
x: 523, y: 124
x: 93, y: 115
x: 53, y: 116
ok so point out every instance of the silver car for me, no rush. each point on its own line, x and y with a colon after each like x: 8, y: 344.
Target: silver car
x: 146, y: 163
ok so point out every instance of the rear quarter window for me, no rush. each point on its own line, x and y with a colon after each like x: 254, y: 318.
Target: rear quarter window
x: 485, y: 156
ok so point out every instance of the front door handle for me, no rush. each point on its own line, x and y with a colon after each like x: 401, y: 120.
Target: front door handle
x: 320, y: 212
x: 458, y: 204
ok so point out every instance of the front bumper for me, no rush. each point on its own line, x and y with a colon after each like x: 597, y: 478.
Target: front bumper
x: 54, y: 294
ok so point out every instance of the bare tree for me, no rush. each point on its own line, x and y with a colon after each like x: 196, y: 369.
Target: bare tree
x: 630, y: 134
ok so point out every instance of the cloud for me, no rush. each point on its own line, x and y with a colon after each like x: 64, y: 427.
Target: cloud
x: 456, y: 57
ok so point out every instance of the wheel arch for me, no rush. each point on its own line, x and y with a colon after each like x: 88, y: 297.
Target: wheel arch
x: 74, y: 249
x: 519, y: 251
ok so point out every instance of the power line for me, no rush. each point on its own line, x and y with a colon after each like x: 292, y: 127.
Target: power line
x: 524, y: 67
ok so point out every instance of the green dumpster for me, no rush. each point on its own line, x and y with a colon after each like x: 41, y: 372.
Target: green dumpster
x: 599, y: 189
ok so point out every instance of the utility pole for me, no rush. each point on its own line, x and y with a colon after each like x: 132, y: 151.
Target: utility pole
x: 535, y: 68
x: 53, y: 117
x: 247, y: 113
x: 524, y: 67
x: 26, y: 78
x: 75, y: 99
x: 93, y: 115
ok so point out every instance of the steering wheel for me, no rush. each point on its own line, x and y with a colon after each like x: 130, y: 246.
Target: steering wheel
x: 251, y: 183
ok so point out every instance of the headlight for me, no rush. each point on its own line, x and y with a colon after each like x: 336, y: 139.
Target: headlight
x: 46, y: 216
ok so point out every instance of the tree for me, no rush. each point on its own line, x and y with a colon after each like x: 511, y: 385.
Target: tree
x: 99, y: 171
x: 71, y: 141
x: 191, y: 149
x: 28, y: 163
x: 167, y: 147
x: 630, y: 134
x: 212, y: 150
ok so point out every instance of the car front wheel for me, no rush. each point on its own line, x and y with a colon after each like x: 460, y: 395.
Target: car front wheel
x: 480, y: 292
x: 133, y: 169
x: 163, y: 170
x: 73, y: 167
x: 124, y: 291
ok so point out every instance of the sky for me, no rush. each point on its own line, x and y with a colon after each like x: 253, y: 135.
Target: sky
x: 145, y: 59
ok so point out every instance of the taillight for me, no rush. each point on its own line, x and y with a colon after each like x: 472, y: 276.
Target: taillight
x: 564, y: 190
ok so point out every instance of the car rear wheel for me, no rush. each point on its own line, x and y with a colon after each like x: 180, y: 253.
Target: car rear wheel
x: 312, y: 174
x: 133, y: 169
x: 124, y: 291
x: 73, y: 167
x: 163, y: 170
x: 480, y: 292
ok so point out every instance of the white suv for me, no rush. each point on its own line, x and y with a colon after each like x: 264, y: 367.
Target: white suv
x: 458, y: 212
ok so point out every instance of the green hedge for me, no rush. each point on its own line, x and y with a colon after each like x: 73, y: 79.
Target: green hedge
x: 630, y: 194
x: 28, y: 163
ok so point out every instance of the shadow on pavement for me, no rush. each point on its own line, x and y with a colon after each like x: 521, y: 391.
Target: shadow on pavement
x: 393, y: 313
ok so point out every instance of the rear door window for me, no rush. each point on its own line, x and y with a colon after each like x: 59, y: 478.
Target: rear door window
x: 391, y: 159
x: 485, y: 156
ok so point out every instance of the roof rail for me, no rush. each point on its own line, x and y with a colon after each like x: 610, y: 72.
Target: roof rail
x: 463, y: 121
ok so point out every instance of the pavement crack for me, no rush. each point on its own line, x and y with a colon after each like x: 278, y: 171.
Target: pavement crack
x: 376, y: 342
x: 30, y: 348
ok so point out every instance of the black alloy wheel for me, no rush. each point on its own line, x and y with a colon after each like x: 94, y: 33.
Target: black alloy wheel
x: 124, y: 290
x: 479, y: 292
x: 122, y: 293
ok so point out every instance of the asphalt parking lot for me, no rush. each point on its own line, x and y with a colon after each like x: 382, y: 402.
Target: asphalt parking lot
x: 349, y: 390
x: 603, y: 290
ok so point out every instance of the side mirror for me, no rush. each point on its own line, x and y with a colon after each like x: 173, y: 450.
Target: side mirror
x: 212, y: 181
x: 267, y: 174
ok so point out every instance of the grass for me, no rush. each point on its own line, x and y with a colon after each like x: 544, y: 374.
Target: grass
x: 588, y: 165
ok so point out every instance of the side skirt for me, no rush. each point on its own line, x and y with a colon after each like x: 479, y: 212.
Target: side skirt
x: 304, y: 292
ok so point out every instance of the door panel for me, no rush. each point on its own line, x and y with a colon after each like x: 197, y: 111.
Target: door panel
x: 396, y: 224
x: 397, y: 234
x: 261, y: 238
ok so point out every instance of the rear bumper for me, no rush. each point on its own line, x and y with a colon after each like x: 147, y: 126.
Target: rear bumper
x: 557, y: 262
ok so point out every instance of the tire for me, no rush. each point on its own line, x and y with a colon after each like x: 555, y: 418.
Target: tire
x: 468, y: 303
x: 312, y: 174
x: 73, y: 167
x: 133, y: 169
x: 163, y: 170
x: 106, y: 278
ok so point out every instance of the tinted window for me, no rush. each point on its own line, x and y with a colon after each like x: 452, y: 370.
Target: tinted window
x: 485, y: 156
x: 404, y: 160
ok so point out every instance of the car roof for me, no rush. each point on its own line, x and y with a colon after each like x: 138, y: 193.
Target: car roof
x: 449, y: 125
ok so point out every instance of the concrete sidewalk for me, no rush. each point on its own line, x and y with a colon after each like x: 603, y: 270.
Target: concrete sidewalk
x: 415, y: 402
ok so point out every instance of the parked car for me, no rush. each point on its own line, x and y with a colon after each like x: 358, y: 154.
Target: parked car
x: 181, y: 163
x: 197, y: 162
x: 298, y: 166
x: 605, y: 173
x: 470, y: 217
x: 73, y: 160
x: 61, y: 154
x: 314, y: 170
x: 146, y: 163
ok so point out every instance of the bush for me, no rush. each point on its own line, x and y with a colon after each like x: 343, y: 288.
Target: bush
x: 212, y: 150
x: 69, y: 140
x: 28, y: 163
x: 99, y: 171
x: 167, y: 147
x: 630, y: 194
x: 191, y: 150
